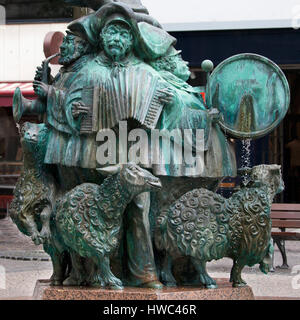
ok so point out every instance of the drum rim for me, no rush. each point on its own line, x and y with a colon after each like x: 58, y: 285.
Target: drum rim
x: 260, y: 133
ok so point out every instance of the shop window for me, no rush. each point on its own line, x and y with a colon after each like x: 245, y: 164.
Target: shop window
x: 36, y: 10
x: 10, y: 151
x: 2, y: 148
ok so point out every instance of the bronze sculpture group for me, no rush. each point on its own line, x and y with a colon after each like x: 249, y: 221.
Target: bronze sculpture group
x: 118, y: 64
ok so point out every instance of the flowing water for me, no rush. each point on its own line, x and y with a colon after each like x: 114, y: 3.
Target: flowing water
x: 246, y: 160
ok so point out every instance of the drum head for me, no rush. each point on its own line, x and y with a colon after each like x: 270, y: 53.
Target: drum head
x: 251, y: 93
x: 52, y: 43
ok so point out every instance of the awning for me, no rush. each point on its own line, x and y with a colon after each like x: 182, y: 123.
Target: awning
x: 7, y: 90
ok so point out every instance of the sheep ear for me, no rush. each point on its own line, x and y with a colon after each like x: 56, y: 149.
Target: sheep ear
x: 275, y: 167
x: 106, y: 171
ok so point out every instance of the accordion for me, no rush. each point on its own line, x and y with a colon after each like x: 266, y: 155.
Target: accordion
x: 130, y: 93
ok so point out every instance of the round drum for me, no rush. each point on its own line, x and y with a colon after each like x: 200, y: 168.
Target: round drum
x: 52, y: 43
x: 252, y: 94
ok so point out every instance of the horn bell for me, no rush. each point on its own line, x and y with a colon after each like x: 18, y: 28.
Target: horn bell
x: 23, y: 106
x: 18, y: 105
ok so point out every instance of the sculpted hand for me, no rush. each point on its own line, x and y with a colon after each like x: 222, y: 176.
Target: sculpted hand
x: 215, y: 114
x: 79, y: 108
x: 166, y: 95
x: 41, y: 89
x: 39, y: 73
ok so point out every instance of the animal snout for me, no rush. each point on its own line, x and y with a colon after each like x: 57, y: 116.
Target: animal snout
x: 281, y: 186
x: 154, y: 183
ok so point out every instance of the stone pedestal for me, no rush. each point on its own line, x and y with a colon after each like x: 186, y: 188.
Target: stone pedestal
x: 43, y: 291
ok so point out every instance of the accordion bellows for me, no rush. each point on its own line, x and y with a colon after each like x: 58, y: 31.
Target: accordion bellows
x: 129, y: 93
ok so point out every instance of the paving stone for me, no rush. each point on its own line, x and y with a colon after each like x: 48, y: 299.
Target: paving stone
x: 13, y: 239
x: 16, y: 246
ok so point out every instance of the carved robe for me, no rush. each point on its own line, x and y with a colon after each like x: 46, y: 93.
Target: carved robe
x: 80, y: 150
x: 187, y: 111
x: 69, y: 148
x: 58, y: 97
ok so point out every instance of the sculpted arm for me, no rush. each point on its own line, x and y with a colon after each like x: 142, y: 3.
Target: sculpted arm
x: 74, y: 106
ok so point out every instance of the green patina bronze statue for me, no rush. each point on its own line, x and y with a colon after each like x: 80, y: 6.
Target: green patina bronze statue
x: 36, y: 189
x: 121, y: 105
x: 205, y: 226
x: 96, y: 212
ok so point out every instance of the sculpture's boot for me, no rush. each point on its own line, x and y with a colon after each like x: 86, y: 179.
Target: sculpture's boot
x: 141, y: 265
x: 23, y: 106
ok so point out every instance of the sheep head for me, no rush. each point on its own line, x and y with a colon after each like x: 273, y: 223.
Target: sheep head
x: 34, y: 139
x: 31, y: 133
x: 269, y: 175
x: 135, y: 179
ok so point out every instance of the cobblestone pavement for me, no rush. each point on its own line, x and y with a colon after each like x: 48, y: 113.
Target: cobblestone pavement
x: 18, y: 276
x: 15, y: 245
x: 12, y: 239
x: 21, y: 262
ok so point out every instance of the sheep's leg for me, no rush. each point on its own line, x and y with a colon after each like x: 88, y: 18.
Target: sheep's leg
x: 271, y: 252
x: 109, y: 279
x: 205, y: 279
x: 45, y: 233
x: 236, y: 275
x: 166, y: 272
x: 59, y: 263
x: 78, y: 271
x: 95, y: 278
x: 266, y: 264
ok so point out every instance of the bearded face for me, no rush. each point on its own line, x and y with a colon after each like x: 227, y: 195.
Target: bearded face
x: 117, y: 40
x: 182, y: 70
x: 71, y: 49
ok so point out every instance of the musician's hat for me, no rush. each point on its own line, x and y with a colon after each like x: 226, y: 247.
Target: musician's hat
x: 119, y: 19
x: 150, y: 40
x: 116, y: 12
x: 90, y: 26
x: 76, y: 33
x: 87, y: 28
x: 173, y: 52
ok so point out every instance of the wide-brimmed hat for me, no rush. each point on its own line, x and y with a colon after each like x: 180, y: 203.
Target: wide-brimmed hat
x: 90, y: 26
x: 173, y: 52
x: 87, y: 27
x: 117, y: 18
x: 150, y: 42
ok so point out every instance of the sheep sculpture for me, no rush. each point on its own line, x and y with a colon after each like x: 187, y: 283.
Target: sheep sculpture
x: 205, y: 226
x: 35, y: 189
x: 89, y: 219
x: 34, y: 199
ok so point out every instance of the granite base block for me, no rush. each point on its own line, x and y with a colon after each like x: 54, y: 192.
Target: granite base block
x: 43, y: 291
